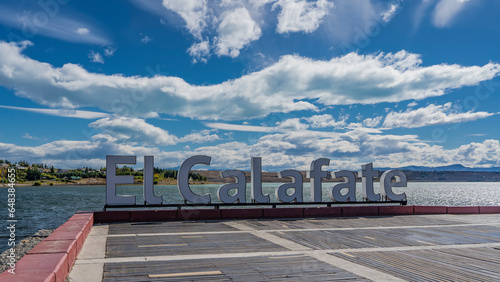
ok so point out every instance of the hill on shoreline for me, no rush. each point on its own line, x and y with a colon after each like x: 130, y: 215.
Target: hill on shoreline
x: 413, y: 176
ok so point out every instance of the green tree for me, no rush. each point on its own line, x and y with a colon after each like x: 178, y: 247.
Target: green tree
x: 33, y: 174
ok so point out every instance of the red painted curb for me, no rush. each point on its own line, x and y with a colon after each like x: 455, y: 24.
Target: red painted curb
x: 429, y: 209
x: 283, y: 213
x: 44, y: 265
x: 395, y: 210
x: 241, y: 213
x: 489, y: 209
x: 153, y: 215
x: 111, y: 216
x: 462, y: 210
x: 53, y: 258
x: 323, y: 212
x: 57, y: 246
x: 28, y: 277
x: 360, y: 211
x: 198, y: 214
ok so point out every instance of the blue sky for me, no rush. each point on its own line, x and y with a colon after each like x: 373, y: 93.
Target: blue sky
x: 395, y: 83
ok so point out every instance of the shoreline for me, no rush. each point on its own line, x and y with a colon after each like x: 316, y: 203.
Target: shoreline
x: 23, y: 247
x: 222, y: 183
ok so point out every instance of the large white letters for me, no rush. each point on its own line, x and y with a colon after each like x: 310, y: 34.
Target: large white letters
x: 340, y: 192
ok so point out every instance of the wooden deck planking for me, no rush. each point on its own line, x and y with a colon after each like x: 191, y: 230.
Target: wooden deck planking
x: 370, y: 235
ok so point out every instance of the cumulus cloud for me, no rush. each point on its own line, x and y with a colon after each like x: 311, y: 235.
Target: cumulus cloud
x: 133, y: 131
x: 236, y: 30
x: 203, y: 136
x: 326, y: 120
x: 200, y: 51
x: 372, y: 122
x: 229, y: 26
x: 291, y: 84
x: 301, y: 15
x: 71, y: 154
x: 279, y: 150
x: 483, y: 154
x: 193, y: 12
x: 389, y: 13
x: 430, y: 115
x: 96, y: 57
x: 446, y: 12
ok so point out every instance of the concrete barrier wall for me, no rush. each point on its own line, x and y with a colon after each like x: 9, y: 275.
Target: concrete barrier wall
x: 284, y: 212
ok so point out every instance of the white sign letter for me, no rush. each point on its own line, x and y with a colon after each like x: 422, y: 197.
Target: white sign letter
x: 349, y: 183
x: 316, y: 174
x: 256, y: 179
x: 112, y: 179
x: 183, y: 180
x: 149, y: 192
x: 240, y: 186
x: 367, y: 174
x: 386, y: 185
x: 297, y: 184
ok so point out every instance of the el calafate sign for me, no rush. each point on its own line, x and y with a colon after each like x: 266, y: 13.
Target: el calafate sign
x: 337, y: 192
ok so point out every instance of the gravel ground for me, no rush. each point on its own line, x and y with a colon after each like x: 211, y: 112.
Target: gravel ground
x: 24, y: 246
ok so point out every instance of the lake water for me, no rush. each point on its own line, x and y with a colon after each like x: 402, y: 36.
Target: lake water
x: 48, y: 207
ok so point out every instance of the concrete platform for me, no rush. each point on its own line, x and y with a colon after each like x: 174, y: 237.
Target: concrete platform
x: 452, y: 246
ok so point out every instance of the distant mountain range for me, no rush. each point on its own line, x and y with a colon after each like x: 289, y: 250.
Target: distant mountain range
x: 455, y: 167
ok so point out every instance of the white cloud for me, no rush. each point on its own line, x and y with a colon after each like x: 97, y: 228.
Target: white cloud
x: 281, y: 150
x: 292, y: 124
x: 326, y: 120
x: 72, y: 113
x: 193, y: 12
x: 203, y: 136
x: 387, y: 15
x: 372, y: 122
x: 430, y: 115
x: 483, y: 154
x: 239, y: 127
x: 134, y: 131
x: 59, y: 27
x: 73, y: 154
x: 200, y: 51
x: 301, y: 15
x: 288, y: 85
x: 446, y: 12
x: 28, y: 136
x: 145, y: 39
x: 109, y: 52
x: 82, y: 31
x: 236, y: 30
x: 412, y: 104
x: 96, y: 57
